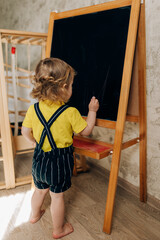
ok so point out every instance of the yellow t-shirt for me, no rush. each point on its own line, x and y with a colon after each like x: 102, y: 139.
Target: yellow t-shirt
x: 62, y: 129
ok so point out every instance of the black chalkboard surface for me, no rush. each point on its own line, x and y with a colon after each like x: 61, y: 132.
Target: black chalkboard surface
x: 94, y: 45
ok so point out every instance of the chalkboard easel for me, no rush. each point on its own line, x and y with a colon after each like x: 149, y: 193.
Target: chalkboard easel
x: 129, y: 92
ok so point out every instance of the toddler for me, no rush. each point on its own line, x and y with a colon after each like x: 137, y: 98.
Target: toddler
x: 49, y: 125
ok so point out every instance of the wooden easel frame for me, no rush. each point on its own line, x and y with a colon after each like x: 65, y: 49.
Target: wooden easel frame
x: 137, y: 16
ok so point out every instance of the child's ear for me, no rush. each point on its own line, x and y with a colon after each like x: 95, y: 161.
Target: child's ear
x: 64, y: 85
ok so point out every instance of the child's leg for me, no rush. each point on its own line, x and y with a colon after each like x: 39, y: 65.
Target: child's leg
x: 36, y: 204
x: 57, y: 211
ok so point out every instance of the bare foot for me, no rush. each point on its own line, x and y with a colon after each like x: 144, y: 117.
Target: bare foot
x: 67, y: 229
x: 34, y: 220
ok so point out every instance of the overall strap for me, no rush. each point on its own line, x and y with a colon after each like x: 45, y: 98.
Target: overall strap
x: 47, y: 125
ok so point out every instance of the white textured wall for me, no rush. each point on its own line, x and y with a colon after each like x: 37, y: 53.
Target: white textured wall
x: 33, y: 15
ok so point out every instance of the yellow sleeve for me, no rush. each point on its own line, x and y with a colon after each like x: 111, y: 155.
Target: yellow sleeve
x: 76, y: 120
x: 27, y: 122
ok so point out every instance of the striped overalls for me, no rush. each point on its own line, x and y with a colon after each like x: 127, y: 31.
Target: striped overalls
x: 52, y: 169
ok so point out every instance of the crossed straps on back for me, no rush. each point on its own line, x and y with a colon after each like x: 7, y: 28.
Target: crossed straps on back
x: 47, y: 125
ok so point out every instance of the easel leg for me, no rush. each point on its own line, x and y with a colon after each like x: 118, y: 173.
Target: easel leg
x: 111, y: 195
x: 83, y: 163
x: 122, y: 109
x: 75, y: 167
x: 142, y: 103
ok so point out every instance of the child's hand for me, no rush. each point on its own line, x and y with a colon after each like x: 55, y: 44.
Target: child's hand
x: 94, y: 105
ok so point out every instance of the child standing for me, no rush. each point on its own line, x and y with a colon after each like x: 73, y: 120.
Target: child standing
x: 49, y: 125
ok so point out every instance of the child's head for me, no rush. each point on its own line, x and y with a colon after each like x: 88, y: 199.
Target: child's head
x: 52, y: 81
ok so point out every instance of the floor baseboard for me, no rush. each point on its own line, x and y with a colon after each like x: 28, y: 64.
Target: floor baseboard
x: 151, y: 200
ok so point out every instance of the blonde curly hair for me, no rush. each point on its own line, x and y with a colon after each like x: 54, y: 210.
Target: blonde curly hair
x: 51, y: 75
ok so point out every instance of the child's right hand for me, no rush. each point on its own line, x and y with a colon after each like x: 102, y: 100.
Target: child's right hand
x: 91, y: 118
x: 94, y: 104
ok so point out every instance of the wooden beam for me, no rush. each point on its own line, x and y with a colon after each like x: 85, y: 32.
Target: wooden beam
x: 50, y: 34
x: 24, y: 152
x: 21, y: 143
x: 130, y: 143
x: 20, y: 77
x: 104, y: 123
x: 19, y: 69
x: 90, y: 153
x: 2, y: 185
x: 20, y: 99
x: 130, y: 118
x: 21, y: 113
x: 23, y: 39
x: 35, y: 40
x: 20, y: 84
x: 7, y: 32
x: 92, y: 9
x: 142, y: 104
x: 23, y: 180
x: 5, y: 129
x: 122, y: 109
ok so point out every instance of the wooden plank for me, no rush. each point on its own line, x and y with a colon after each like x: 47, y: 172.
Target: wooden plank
x: 2, y: 185
x: 133, y: 101
x: 7, y: 32
x: 142, y: 104
x: 12, y: 126
x: 104, y: 123
x: 25, y: 152
x: 50, y: 34
x: 122, y: 109
x: 21, y: 143
x: 20, y: 99
x: 92, y: 9
x: 21, y: 113
x: 38, y: 42
x: 19, y: 69
x: 20, y: 77
x: 87, y: 153
x: 15, y: 38
x: 23, y: 100
x: 93, y: 141
x: 92, y: 153
x: 23, y: 180
x: 5, y: 129
x: 23, y: 85
x: 23, y: 39
x: 130, y: 143
x: 20, y: 84
x: 131, y: 118
x: 35, y: 40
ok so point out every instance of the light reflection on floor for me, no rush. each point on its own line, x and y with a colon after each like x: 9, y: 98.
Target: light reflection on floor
x: 15, y: 209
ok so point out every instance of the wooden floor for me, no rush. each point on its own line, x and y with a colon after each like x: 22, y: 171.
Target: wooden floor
x: 85, y: 203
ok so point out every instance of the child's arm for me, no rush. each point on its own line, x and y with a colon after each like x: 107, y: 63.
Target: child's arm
x: 91, y: 118
x: 27, y: 133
